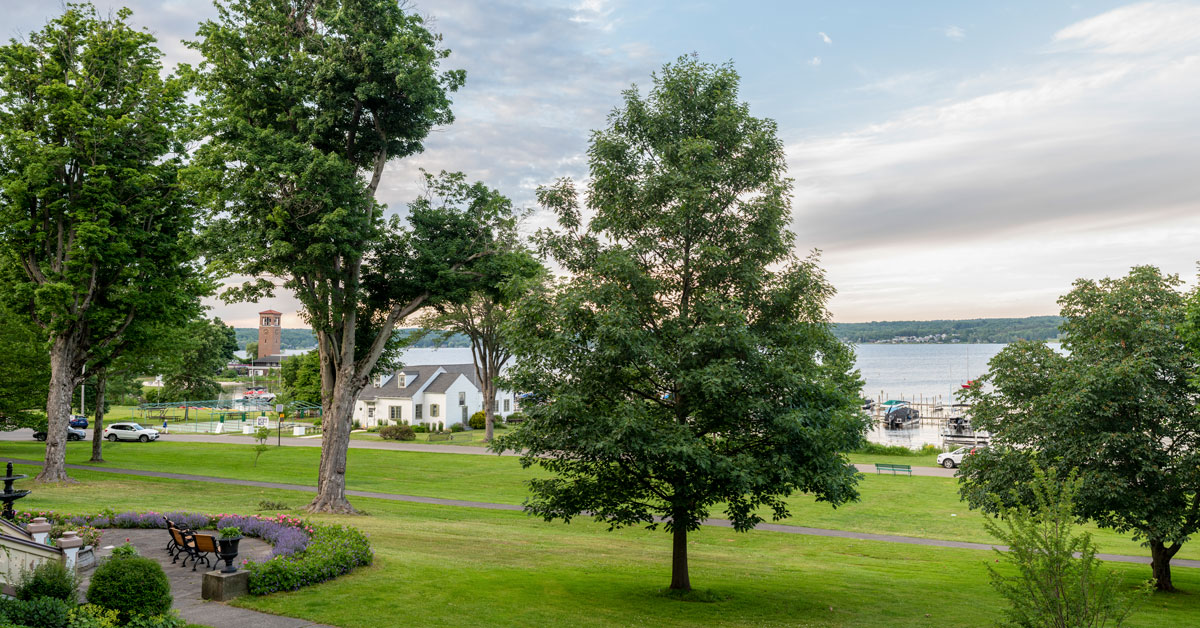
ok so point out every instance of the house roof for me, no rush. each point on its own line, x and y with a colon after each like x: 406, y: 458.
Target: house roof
x: 270, y: 312
x: 392, y: 388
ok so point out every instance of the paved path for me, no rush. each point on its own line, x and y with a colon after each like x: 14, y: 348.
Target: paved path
x: 720, y: 523
x: 238, y: 439
x: 185, y: 583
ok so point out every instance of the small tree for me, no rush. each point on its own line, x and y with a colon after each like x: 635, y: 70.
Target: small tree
x: 1119, y: 407
x: 483, y: 320
x: 1058, y: 581
x: 260, y: 436
x: 688, y: 361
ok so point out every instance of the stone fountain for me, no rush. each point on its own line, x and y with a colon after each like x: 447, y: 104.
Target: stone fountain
x: 9, y: 495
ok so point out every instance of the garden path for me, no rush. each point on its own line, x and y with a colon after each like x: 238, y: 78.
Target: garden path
x: 185, y: 583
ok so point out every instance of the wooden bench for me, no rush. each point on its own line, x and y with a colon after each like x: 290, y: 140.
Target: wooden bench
x: 894, y: 468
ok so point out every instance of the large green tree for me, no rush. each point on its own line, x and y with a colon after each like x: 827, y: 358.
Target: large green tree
x: 91, y: 213
x: 688, y: 359
x: 301, y: 375
x: 1119, y: 406
x: 304, y: 104
x: 201, y: 351
x: 24, y: 371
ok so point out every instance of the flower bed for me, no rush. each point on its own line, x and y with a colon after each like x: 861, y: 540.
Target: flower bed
x: 302, y: 553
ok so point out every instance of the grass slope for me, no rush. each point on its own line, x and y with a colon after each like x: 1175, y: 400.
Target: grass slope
x: 447, y: 566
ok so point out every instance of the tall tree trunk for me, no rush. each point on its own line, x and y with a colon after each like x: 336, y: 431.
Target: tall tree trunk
x: 331, y: 477
x: 489, y: 405
x: 98, y: 422
x: 63, y: 380
x: 679, y: 558
x: 1160, y: 563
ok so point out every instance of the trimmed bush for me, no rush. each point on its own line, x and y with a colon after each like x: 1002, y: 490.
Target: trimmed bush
x: 397, y: 432
x: 333, y: 551
x: 42, y: 612
x: 457, y: 427
x: 49, y: 579
x: 421, y: 428
x: 478, y: 421
x: 133, y: 586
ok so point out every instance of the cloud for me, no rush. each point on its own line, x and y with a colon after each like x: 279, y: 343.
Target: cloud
x: 1015, y: 175
x: 1135, y: 29
x: 825, y: 38
x: 954, y: 32
x: 815, y: 61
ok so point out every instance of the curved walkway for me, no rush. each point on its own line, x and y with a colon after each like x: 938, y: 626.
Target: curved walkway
x: 720, y: 523
x: 185, y: 583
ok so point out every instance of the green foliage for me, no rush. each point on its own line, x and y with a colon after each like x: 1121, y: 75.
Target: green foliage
x: 267, y: 504
x: 421, y: 428
x: 169, y: 619
x: 24, y: 371
x: 478, y: 420
x: 1115, y: 408
x: 125, y: 550
x: 456, y: 427
x: 41, y: 612
x: 91, y: 143
x: 93, y: 616
x: 204, y: 348
x: 49, y: 579
x: 1051, y: 586
x: 397, y: 432
x: 302, y: 377
x: 231, y: 532
x: 687, y: 360
x: 132, y: 586
x: 997, y: 330
x: 260, y: 447
x: 332, y: 551
x: 875, y: 449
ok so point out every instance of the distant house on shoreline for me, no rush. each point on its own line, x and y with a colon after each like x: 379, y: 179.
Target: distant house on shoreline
x: 438, y: 395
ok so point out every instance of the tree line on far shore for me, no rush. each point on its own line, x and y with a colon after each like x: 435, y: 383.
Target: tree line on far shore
x: 978, y: 330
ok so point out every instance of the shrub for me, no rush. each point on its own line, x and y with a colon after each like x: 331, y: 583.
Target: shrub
x: 397, y: 432
x: 875, y: 449
x: 457, y: 427
x: 333, y: 551
x: 133, y: 586
x: 317, y: 423
x: 125, y: 550
x: 1056, y: 580
x: 515, y: 418
x: 478, y: 421
x: 49, y: 579
x: 267, y: 504
x: 93, y: 616
x: 42, y: 612
x: 420, y: 428
x: 165, y: 620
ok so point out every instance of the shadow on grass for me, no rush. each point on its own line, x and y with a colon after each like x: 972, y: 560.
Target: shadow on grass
x: 706, y: 596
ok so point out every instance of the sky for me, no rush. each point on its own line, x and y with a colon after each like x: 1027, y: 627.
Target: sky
x: 950, y: 159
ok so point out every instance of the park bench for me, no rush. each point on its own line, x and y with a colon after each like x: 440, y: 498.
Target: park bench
x: 894, y: 468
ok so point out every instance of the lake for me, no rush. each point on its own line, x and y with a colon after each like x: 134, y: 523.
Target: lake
x: 890, y: 371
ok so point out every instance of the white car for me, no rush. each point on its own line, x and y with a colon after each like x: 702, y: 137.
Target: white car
x: 129, y: 431
x: 955, y: 458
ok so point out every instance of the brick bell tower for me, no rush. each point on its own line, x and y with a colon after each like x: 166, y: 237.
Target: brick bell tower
x: 269, y: 332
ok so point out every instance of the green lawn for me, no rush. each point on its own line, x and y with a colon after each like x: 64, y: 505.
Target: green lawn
x: 909, y: 506
x: 447, y: 566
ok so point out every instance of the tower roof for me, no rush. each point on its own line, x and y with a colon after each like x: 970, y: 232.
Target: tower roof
x: 270, y: 312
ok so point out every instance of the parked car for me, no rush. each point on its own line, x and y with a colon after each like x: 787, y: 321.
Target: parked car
x: 955, y: 458
x: 79, y: 421
x: 73, y: 433
x: 129, y: 431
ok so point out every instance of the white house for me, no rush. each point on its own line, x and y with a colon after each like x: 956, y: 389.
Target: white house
x: 438, y: 395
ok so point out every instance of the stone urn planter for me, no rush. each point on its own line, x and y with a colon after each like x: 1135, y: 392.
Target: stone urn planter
x: 227, y: 550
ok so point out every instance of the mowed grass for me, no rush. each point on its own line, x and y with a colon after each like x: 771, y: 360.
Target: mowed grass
x: 925, y: 507
x: 450, y: 566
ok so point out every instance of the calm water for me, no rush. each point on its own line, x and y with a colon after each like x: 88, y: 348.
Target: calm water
x: 888, y: 370
x: 914, y: 372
